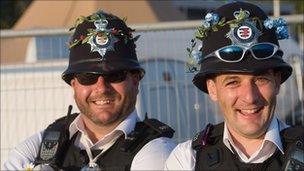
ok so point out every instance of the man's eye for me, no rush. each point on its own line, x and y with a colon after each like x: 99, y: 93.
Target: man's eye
x: 262, y: 80
x: 232, y: 83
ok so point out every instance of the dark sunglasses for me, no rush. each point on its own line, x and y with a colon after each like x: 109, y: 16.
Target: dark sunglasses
x: 235, y: 53
x: 91, y: 78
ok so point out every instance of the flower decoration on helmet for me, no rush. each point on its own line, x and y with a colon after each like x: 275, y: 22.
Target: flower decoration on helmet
x: 102, y: 38
x: 194, y: 57
x: 279, y: 25
x: 213, y: 23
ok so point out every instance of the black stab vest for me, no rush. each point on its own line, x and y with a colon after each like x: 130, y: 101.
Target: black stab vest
x: 214, y: 155
x: 118, y: 157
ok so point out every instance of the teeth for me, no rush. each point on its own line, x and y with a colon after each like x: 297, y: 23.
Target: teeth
x: 101, y: 102
x: 249, y: 111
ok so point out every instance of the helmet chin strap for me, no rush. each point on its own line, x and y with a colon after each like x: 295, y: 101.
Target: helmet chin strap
x: 92, y: 160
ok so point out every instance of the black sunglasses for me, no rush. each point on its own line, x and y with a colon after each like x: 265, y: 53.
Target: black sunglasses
x: 91, y: 78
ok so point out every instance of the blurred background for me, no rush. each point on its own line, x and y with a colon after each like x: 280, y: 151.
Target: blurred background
x: 34, y: 53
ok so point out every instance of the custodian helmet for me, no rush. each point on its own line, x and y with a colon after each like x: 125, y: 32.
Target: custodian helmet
x: 228, y: 35
x: 102, y: 43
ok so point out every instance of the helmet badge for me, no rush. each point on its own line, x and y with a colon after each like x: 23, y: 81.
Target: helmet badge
x: 103, y: 40
x: 245, y: 33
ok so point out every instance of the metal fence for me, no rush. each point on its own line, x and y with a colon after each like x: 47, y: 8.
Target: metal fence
x: 33, y: 94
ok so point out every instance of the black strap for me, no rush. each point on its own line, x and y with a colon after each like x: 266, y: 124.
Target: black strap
x: 55, y: 139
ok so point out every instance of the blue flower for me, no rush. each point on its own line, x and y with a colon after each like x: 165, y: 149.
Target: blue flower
x: 282, y: 32
x: 280, y: 22
x: 215, y: 19
x: 279, y: 25
x: 268, y: 24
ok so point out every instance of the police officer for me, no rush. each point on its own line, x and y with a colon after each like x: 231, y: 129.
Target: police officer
x: 104, y: 73
x: 241, y: 68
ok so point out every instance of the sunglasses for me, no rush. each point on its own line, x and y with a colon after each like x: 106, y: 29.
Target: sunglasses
x: 235, y: 53
x: 91, y: 78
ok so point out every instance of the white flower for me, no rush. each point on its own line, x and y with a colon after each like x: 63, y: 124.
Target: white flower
x: 29, y: 166
x: 197, y: 56
x: 206, y: 24
x: 268, y: 24
x: 209, y: 17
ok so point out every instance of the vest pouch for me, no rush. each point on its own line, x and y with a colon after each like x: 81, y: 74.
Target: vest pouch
x: 55, y: 141
x: 295, y: 157
x: 53, y: 145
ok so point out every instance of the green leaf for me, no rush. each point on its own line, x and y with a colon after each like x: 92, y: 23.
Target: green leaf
x: 91, y: 30
x: 94, y: 17
x: 222, y: 22
x: 136, y: 38
x: 79, y: 20
x: 214, y: 28
x: 194, y: 44
x: 259, y: 23
x: 233, y: 25
x: 74, y: 43
x: 85, y: 40
x: 72, y: 28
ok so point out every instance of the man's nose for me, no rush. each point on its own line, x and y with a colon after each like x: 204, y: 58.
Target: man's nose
x: 250, y: 93
x: 101, y: 84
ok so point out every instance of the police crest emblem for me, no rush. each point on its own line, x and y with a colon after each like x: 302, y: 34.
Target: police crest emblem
x: 103, y: 40
x: 246, y: 33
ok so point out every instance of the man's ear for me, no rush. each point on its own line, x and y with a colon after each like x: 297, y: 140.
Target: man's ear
x: 135, y: 79
x: 212, y: 89
x: 73, y: 82
x: 277, y: 82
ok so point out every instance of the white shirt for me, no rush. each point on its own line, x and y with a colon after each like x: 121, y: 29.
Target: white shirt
x: 183, y: 157
x: 151, y: 157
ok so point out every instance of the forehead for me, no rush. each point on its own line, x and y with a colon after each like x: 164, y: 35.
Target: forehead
x: 236, y: 74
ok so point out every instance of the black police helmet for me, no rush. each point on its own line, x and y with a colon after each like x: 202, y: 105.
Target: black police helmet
x: 218, y: 39
x: 102, y: 43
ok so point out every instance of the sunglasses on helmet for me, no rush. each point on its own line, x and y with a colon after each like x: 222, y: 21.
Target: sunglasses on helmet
x: 92, y: 78
x: 235, y: 53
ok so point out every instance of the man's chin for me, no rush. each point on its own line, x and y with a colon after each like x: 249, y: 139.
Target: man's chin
x: 253, y: 132
x: 105, y: 119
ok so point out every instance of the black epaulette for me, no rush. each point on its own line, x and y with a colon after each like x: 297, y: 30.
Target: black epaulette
x: 160, y: 128
x: 207, y: 136
x: 292, y: 136
x: 292, y: 133
x: 152, y: 127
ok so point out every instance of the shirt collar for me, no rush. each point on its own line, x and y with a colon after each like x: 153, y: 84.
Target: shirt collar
x: 227, y: 137
x: 272, y: 134
x: 126, y: 126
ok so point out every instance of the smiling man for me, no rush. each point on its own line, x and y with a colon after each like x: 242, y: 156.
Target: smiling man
x: 104, y: 73
x: 241, y: 68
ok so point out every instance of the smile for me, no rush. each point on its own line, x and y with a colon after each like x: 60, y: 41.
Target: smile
x: 250, y: 111
x: 102, y: 102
